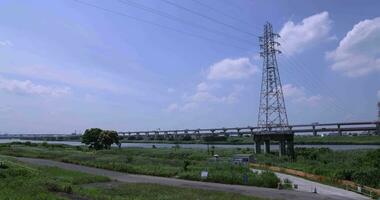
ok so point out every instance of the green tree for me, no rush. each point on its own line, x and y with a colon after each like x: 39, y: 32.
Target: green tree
x: 97, y: 138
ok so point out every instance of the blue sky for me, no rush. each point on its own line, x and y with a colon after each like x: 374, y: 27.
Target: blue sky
x: 69, y: 65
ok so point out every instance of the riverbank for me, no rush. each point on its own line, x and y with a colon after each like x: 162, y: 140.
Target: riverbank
x: 166, y: 162
x: 329, y: 193
x: 361, y: 166
x: 19, y: 180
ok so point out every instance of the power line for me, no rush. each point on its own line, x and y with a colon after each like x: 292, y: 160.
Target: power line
x: 311, y: 77
x: 209, y: 18
x: 221, y: 12
x: 157, y: 24
x: 174, y: 18
x: 309, y: 80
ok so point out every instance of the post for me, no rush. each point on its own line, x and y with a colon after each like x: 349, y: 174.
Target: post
x: 267, y: 146
x: 378, y: 127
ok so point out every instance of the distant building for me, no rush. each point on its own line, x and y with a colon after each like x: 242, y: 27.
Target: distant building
x: 239, y: 159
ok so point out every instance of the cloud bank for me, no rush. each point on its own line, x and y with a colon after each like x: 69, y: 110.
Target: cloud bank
x: 358, y: 53
x: 296, y: 37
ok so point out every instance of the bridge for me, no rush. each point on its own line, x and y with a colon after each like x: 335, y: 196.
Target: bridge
x: 314, y: 129
x: 260, y: 136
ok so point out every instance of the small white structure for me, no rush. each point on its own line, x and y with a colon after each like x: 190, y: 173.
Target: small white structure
x: 239, y: 159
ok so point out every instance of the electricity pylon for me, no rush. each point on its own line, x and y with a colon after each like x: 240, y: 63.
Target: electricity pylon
x: 272, y: 111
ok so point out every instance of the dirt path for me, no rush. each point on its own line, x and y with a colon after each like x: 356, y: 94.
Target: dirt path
x: 246, y: 190
x: 309, y: 186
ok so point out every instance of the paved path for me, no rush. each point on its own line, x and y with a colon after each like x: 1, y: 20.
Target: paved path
x: 245, y: 190
x: 308, y: 186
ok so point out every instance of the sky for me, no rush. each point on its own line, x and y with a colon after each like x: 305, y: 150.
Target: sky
x: 125, y: 65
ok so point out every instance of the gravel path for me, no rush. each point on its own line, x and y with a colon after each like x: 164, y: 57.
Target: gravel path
x: 309, y: 186
x: 245, y: 190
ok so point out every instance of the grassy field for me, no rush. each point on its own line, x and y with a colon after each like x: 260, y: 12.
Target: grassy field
x: 21, y: 181
x: 360, y: 166
x: 167, y: 162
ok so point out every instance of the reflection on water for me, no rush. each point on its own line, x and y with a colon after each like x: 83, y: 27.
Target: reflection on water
x: 204, y: 146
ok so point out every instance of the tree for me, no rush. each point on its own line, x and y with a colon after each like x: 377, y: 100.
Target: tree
x: 97, y: 138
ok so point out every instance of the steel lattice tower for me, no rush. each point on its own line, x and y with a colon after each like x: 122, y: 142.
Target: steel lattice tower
x: 272, y: 112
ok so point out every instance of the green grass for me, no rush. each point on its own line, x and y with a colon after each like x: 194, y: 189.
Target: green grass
x: 157, y: 192
x: 19, y: 181
x: 360, y: 166
x: 167, y: 162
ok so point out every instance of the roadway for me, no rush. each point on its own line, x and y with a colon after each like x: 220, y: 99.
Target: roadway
x: 267, y: 193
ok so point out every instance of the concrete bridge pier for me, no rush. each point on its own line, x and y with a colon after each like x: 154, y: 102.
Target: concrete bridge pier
x: 282, y: 148
x: 267, y: 146
x: 378, y: 127
x: 339, y: 130
x: 290, y: 149
x: 258, y: 146
x: 284, y: 138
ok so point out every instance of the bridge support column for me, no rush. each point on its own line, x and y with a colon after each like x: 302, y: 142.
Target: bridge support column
x: 282, y: 148
x: 267, y: 146
x: 314, y: 131
x: 290, y: 150
x: 378, y: 128
x: 339, y: 130
x: 258, y: 146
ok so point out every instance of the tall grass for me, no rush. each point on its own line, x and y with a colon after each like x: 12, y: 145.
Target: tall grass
x: 167, y: 162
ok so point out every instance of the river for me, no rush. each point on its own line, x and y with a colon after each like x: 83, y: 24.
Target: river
x: 204, y: 146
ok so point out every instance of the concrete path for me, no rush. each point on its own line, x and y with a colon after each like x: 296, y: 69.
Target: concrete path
x: 309, y: 186
x: 245, y: 190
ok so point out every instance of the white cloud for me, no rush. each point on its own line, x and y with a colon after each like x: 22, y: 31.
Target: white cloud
x: 358, y: 52
x: 28, y: 87
x: 202, y: 96
x: 211, y: 90
x: 295, y: 37
x: 91, y: 79
x: 290, y: 90
x: 229, y: 69
x: 311, y: 100
x: 189, y: 106
x: 6, y: 43
x: 298, y: 95
x: 172, y: 107
x: 205, y: 86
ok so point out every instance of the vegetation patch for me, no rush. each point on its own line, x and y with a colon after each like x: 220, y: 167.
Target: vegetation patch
x: 359, y: 166
x: 167, y: 162
x: 19, y: 181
